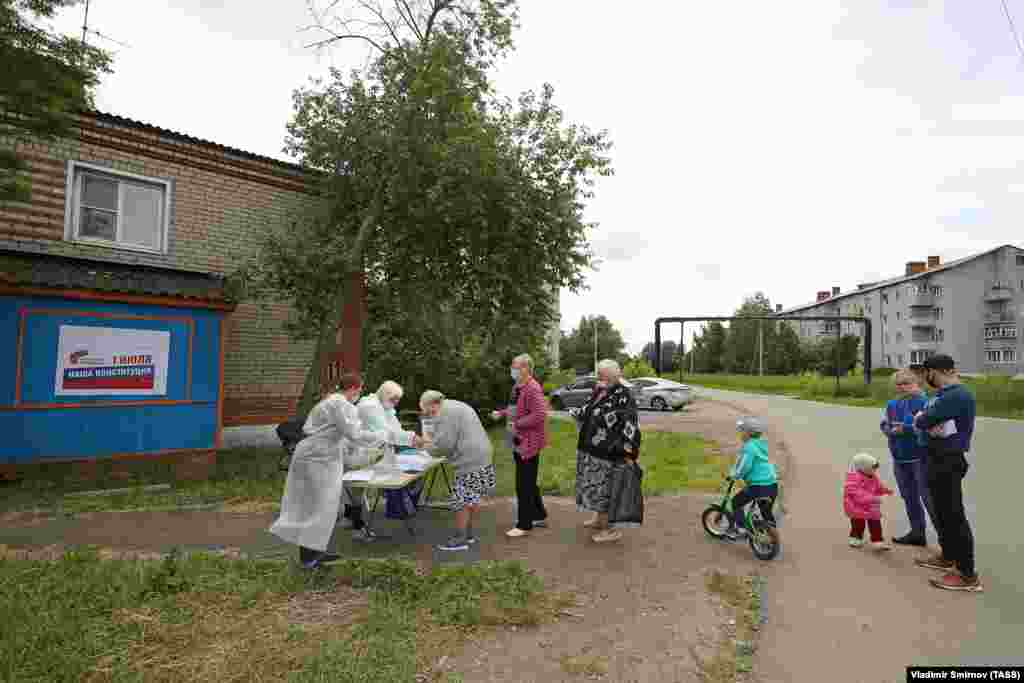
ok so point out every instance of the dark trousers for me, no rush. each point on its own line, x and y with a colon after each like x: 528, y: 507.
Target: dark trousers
x: 910, y: 478
x: 946, y: 472
x: 751, y: 492
x: 874, y: 527
x: 355, y: 513
x: 529, y: 501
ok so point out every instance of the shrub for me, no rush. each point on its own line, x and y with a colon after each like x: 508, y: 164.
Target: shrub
x: 883, y: 372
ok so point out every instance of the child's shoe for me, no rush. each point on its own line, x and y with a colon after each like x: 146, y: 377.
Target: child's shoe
x: 856, y: 542
x: 880, y: 546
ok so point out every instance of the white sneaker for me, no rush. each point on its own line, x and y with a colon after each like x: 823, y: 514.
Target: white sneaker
x: 516, y: 532
x: 856, y: 542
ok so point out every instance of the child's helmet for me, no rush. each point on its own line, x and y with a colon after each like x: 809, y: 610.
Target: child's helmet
x: 750, y: 425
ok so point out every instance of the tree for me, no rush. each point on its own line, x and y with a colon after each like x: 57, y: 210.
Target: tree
x: 742, y: 347
x: 849, y: 355
x: 577, y: 348
x: 464, y: 210
x: 786, y: 356
x: 48, y: 79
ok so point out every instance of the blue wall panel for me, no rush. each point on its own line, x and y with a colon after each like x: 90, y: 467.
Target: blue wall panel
x: 39, y: 434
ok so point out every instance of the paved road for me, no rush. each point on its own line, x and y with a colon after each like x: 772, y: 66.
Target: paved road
x: 846, y: 615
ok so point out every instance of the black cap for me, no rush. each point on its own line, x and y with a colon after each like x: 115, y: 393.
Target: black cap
x: 916, y: 366
x: 939, y: 361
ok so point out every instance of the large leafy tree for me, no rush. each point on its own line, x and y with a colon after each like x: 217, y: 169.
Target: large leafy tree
x: 670, y: 355
x: 463, y: 209
x: 576, y: 349
x: 742, y: 348
x: 47, y: 80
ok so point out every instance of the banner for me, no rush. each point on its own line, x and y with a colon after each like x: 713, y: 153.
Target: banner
x: 111, y: 361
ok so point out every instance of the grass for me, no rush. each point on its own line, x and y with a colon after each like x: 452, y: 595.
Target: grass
x: 996, y: 396
x: 247, y: 479
x: 742, y: 595
x: 205, y: 617
x: 672, y: 462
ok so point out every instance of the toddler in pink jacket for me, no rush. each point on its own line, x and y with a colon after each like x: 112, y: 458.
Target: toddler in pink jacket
x: 862, y: 501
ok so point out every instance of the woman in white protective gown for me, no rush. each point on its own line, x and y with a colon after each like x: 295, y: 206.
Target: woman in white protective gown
x: 313, y: 491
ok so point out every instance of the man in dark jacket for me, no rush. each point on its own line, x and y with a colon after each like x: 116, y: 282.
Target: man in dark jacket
x: 949, y: 421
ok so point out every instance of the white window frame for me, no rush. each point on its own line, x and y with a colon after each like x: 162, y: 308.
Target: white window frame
x: 1009, y: 356
x: 920, y: 356
x: 939, y: 312
x: 993, y: 356
x: 73, y: 206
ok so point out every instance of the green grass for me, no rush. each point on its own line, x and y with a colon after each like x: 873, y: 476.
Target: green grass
x: 203, y: 617
x: 996, y: 396
x: 248, y: 478
x: 672, y: 461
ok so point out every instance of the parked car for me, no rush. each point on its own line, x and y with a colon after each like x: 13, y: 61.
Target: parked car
x: 575, y: 394
x: 660, y: 394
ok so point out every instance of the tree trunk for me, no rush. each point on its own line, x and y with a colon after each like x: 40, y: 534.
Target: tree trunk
x: 311, y: 388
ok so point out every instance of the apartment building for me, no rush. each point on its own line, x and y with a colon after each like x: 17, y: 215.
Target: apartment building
x: 971, y: 308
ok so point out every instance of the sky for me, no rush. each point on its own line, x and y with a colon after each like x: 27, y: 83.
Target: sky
x: 777, y: 147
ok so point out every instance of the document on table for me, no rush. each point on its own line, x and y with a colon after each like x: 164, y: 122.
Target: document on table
x: 416, y: 462
x: 358, y: 475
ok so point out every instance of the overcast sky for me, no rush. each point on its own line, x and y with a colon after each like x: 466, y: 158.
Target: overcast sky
x: 782, y: 147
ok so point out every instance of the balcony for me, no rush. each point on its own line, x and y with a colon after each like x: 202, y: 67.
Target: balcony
x: 998, y: 292
x: 921, y: 299
x: 922, y: 345
x: 921, y: 318
x: 1000, y: 317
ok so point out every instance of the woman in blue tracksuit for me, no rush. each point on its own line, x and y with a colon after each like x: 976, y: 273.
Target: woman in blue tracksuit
x: 753, y: 467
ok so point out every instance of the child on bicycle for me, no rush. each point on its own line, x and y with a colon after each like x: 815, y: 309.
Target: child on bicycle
x: 862, y: 501
x: 753, y: 467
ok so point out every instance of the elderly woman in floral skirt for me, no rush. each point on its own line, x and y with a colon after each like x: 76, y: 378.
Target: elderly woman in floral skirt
x: 609, y: 440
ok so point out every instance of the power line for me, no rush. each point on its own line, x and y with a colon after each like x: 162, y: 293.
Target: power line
x: 1013, y: 30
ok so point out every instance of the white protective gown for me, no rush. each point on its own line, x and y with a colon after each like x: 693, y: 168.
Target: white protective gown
x: 313, y: 490
x: 376, y: 417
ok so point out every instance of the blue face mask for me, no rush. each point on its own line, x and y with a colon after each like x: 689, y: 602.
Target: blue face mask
x: 515, y: 374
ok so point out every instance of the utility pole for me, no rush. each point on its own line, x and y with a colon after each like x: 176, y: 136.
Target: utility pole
x: 85, y: 22
x: 760, y: 345
x: 595, y: 346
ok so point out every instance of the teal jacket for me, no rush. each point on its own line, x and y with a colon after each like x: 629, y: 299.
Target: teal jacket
x: 753, y: 466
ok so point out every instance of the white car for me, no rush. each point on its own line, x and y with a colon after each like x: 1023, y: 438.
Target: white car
x: 660, y: 394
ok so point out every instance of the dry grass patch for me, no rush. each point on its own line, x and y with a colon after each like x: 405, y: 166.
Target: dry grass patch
x: 740, y: 595
x: 586, y: 664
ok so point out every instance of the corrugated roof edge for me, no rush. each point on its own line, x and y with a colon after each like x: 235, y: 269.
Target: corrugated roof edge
x: 897, y: 280
x: 84, y: 260
x: 141, y: 125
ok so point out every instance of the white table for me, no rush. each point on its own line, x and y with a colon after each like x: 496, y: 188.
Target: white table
x: 389, y: 480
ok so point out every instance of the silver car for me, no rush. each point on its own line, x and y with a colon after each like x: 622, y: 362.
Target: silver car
x: 660, y: 394
x: 577, y: 393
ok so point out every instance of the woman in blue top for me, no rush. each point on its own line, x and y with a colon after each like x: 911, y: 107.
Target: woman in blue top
x: 753, y: 467
x: 909, y: 450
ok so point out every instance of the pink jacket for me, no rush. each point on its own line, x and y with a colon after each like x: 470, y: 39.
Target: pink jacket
x: 862, y: 496
x: 531, y: 421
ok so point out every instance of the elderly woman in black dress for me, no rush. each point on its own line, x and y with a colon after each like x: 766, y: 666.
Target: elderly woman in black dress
x: 609, y: 440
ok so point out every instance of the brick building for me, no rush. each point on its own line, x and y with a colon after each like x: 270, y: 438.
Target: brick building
x: 132, y: 231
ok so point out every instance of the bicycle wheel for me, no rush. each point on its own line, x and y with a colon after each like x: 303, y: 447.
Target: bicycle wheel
x: 715, y: 521
x: 764, y: 541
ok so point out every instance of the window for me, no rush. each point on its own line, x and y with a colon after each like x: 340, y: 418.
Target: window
x: 885, y: 298
x: 992, y: 356
x: 899, y: 359
x: 940, y: 335
x: 1020, y: 259
x: 1009, y: 355
x: 937, y: 291
x: 919, y: 356
x: 899, y: 337
x: 888, y: 360
x: 899, y: 315
x: 885, y: 319
x: 897, y: 293
x: 939, y: 312
x: 116, y: 209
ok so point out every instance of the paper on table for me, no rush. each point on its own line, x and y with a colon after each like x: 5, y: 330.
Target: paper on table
x: 358, y: 475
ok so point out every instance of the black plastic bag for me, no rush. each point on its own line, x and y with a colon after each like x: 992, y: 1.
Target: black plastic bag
x: 626, y: 507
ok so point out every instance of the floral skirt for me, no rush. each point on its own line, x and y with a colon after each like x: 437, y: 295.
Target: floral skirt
x: 594, y: 482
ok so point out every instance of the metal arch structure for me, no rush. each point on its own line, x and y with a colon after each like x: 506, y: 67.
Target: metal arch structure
x: 866, y: 322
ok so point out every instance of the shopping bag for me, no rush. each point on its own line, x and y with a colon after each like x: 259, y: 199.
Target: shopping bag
x: 626, y: 507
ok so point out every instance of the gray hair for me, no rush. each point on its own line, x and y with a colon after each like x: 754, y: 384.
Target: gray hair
x: 430, y: 397
x: 390, y: 390
x: 524, y: 359
x: 610, y: 367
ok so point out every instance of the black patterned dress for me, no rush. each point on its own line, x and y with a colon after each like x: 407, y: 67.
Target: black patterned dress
x: 608, y: 424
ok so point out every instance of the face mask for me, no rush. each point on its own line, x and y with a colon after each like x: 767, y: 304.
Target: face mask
x: 515, y: 374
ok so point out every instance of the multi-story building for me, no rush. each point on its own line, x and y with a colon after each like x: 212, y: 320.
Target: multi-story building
x: 971, y: 309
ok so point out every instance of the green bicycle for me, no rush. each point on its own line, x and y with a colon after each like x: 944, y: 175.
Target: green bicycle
x: 762, y: 533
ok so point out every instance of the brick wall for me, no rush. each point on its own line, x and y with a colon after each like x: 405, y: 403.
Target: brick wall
x: 221, y: 202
